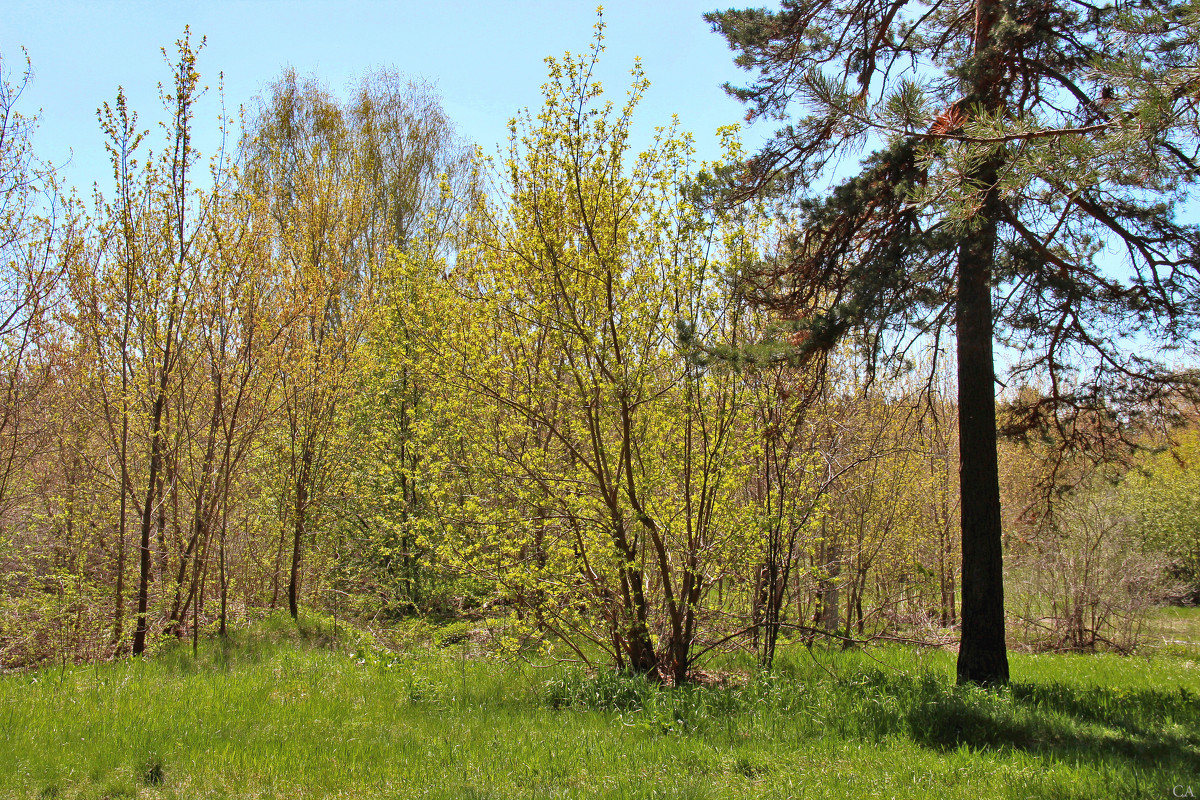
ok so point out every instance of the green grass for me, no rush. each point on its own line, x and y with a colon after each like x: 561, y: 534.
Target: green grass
x: 274, y: 712
x: 1172, y: 627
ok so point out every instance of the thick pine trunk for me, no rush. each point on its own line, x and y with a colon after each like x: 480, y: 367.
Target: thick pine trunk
x: 982, y: 658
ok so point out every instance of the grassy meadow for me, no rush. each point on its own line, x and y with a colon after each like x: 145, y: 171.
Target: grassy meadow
x: 280, y: 712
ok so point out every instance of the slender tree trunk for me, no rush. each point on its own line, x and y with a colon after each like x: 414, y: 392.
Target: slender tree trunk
x: 119, y: 591
x: 122, y: 522
x: 179, y: 604
x: 275, y: 575
x: 196, y: 625
x: 164, y: 568
x: 224, y: 581
x: 130, y: 261
x: 203, y: 514
x: 860, y: 590
x: 830, y: 601
x: 160, y: 399
x: 302, y: 480
x: 946, y: 568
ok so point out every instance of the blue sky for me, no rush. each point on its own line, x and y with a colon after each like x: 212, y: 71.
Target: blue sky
x: 485, y: 58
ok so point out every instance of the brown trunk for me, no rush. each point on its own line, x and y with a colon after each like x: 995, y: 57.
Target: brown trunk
x: 201, y: 521
x: 139, y: 633
x: 860, y: 590
x: 982, y: 658
x: 163, y: 555
x: 122, y: 523
x: 223, y: 631
x: 640, y: 648
x: 301, y: 510
x: 946, y: 569
x: 119, y: 610
x: 278, y: 568
x: 179, y: 166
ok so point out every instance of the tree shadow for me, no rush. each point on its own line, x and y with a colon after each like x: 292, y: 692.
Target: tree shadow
x: 1142, y: 729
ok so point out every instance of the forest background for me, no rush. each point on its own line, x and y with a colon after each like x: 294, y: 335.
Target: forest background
x: 343, y: 360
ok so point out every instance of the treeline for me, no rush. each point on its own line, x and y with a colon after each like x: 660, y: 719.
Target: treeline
x: 352, y: 365
x: 182, y: 352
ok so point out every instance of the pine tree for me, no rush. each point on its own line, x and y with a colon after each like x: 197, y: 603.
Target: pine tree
x: 1024, y: 148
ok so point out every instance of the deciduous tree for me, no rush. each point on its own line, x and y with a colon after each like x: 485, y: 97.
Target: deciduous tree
x: 581, y: 460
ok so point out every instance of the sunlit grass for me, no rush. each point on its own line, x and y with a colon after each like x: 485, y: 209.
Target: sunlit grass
x: 278, y: 713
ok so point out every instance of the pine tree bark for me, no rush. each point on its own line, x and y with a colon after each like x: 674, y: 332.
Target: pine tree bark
x: 982, y: 658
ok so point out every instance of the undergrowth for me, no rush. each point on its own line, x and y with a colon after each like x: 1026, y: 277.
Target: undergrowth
x: 310, y: 711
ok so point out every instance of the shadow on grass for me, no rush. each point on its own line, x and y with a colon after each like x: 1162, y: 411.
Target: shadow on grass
x: 1127, y: 731
x: 1145, y: 728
